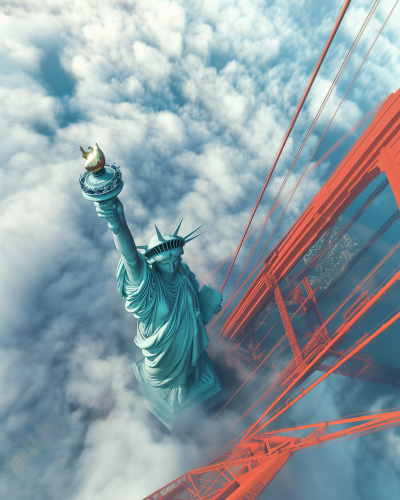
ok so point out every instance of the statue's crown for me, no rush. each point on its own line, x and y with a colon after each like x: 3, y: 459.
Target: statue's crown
x: 162, y: 242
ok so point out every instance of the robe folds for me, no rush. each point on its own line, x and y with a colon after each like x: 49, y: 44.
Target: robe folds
x: 170, y: 329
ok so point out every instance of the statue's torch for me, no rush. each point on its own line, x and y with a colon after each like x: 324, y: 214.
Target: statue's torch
x: 101, y: 182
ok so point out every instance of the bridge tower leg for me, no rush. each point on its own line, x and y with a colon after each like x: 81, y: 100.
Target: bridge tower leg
x: 271, y: 282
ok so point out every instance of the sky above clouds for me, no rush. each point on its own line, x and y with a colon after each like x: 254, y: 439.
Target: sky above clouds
x: 192, y: 100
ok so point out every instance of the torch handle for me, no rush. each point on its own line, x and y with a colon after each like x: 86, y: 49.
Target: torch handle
x: 113, y: 221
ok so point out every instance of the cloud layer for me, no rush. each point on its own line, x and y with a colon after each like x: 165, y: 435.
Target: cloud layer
x: 192, y: 100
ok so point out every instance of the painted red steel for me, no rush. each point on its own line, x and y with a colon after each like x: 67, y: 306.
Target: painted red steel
x: 298, y: 356
x: 244, y: 470
x: 375, y: 152
x: 318, y: 353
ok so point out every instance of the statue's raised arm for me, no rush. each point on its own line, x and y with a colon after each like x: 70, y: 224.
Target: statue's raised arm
x: 101, y: 184
x: 123, y: 239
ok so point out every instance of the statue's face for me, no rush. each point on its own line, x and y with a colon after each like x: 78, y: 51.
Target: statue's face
x: 170, y: 265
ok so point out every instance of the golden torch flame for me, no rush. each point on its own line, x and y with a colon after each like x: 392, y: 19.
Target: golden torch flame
x: 95, y: 159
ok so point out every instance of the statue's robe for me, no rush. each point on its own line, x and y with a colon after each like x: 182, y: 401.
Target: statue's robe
x: 170, y: 329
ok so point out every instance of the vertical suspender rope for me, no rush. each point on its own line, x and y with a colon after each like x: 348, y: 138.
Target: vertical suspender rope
x: 335, y: 28
x: 332, y: 88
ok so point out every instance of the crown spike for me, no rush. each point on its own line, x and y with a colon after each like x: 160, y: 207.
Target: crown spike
x: 177, y: 229
x: 141, y: 247
x: 159, y: 235
x: 191, y: 232
x: 193, y: 237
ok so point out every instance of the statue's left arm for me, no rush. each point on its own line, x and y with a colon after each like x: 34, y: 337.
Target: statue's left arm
x: 123, y: 239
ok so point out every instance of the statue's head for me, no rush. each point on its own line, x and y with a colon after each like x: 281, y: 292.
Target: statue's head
x: 165, y: 250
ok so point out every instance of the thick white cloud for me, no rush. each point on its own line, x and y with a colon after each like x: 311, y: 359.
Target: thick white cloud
x: 192, y: 100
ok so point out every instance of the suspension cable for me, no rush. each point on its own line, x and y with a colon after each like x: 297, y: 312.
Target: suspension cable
x: 335, y: 28
x: 329, y: 124
x: 328, y: 95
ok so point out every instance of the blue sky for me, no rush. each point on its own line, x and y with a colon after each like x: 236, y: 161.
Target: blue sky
x: 192, y: 100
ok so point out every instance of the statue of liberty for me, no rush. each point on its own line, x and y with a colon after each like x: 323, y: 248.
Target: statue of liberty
x: 163, y: 294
